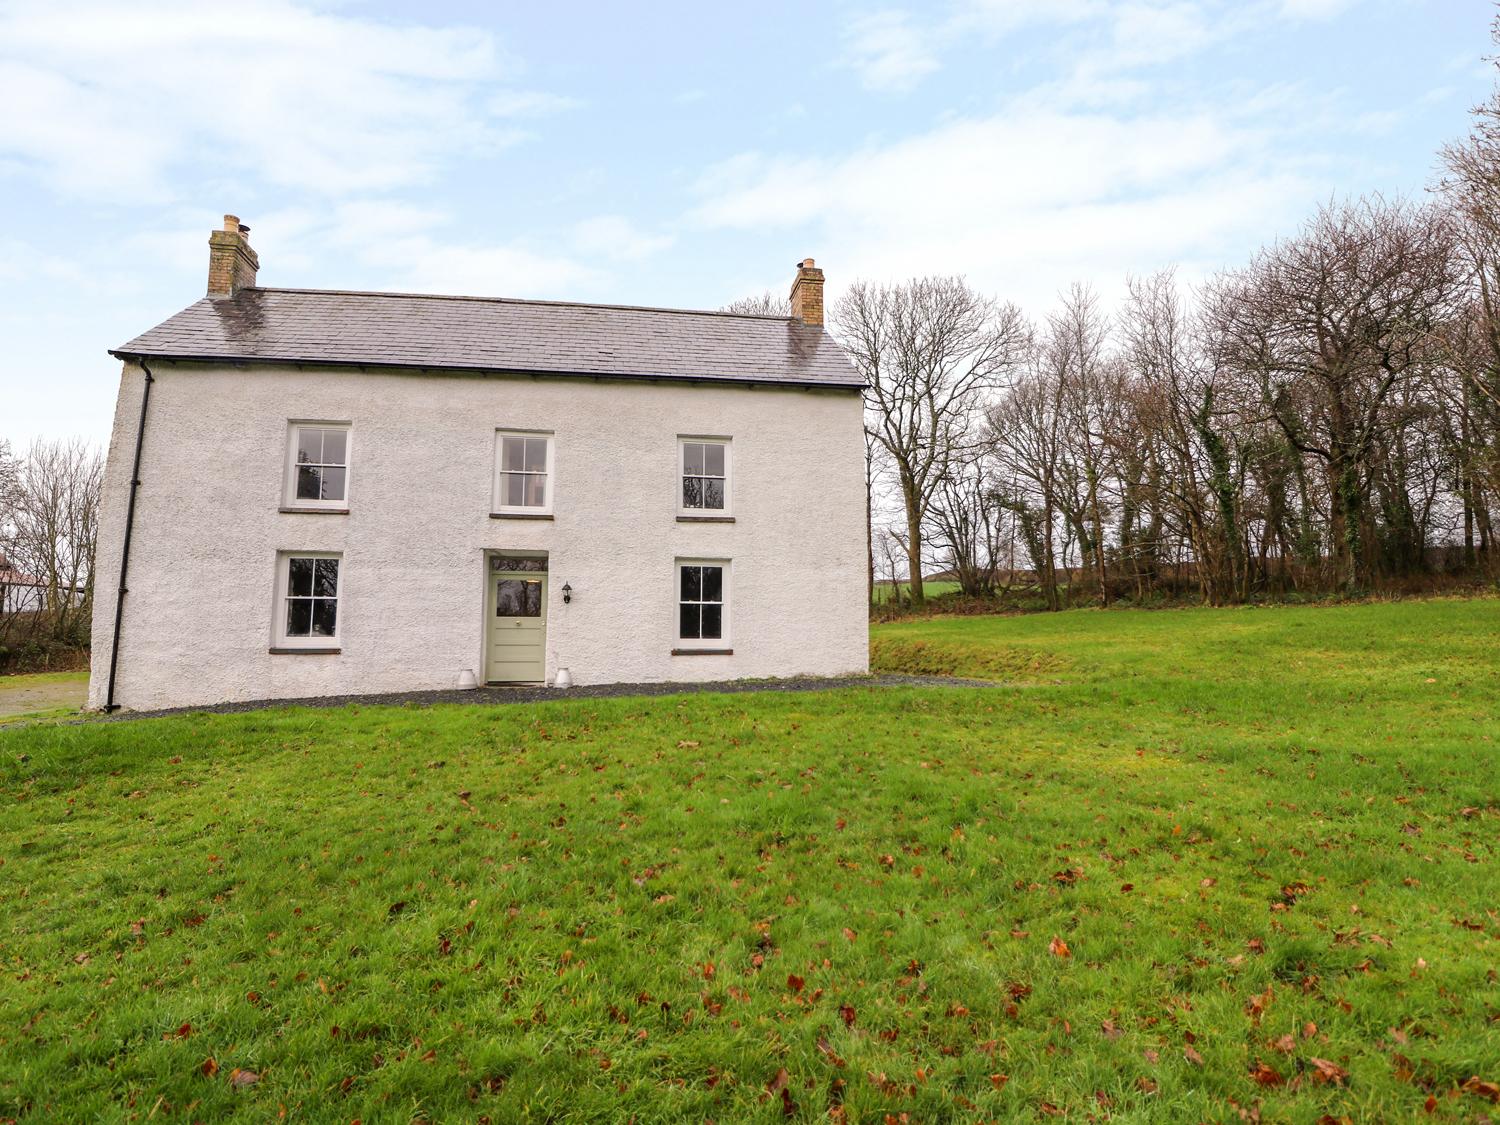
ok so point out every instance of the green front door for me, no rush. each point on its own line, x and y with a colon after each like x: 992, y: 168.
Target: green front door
x: 517, y: 613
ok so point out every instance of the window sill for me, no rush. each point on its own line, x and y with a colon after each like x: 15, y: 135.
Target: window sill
x: 703, y: 652
x: 520, y: 515
x: 705, y: 519
x: 313, y: 511
x: 277, y: 650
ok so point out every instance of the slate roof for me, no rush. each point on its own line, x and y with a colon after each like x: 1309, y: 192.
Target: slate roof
x: 320, y: 326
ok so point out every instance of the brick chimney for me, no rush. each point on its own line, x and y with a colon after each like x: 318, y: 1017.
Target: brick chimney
x: 231, y: 262
x: 807, y: 294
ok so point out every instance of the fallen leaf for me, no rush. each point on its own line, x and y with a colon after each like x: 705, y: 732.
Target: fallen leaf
x: 794, y: 982
x: 849, y: 935
x: 1476, y: 1086
x: 241, y: 1078
x: 1192, y: 1056
x: 1329, y: 1072
x: 1257, y: 1005
x: 999, y: 1080
x: 1111, y: 1031
x: 1286, y: 1044
x: 1265, y: 1075
x: 209, y: 1067
x: 779, y: 1082
x: 1146, y: 1085
x: 1059, y: 948
x: 846, y: 1013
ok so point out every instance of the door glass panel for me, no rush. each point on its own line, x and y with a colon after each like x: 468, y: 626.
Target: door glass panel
x: 522, y: 563
x: 518, y: 597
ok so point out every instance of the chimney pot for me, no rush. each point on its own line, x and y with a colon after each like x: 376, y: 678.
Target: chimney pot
x: 807, y: 294
x: 232, y: 265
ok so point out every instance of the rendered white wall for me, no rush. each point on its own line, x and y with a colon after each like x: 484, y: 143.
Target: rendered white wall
x: 198, y: 618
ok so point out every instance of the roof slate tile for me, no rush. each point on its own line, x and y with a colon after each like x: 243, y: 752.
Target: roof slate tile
x: 482, y: 334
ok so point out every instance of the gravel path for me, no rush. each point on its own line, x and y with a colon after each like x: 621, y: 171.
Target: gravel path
x: 498, y: 696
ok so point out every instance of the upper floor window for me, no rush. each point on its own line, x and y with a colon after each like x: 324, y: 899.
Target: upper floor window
x: 705, y: 475
x: 523, y: 473
x: 318, y: 476
x: 307, y: 597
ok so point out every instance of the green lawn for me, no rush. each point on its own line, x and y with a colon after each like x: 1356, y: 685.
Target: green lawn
x: 1190, y: 863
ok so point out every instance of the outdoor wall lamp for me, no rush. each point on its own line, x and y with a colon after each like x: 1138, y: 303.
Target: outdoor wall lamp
x: 567, y: 593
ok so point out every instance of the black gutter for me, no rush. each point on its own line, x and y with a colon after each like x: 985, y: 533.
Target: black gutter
x: 456, y: 369
x: 121, y: 591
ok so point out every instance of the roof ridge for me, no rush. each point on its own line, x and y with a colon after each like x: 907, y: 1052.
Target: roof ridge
x: 520, y: 301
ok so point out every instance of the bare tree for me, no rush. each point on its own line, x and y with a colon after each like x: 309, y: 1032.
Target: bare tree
x: 1327, y: 324
x: 52, y: 528
x: 930, y: 351
x: 763, y: 304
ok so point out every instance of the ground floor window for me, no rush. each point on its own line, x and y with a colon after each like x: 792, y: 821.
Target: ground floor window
x: 308, y: 597
x: 702, y: 601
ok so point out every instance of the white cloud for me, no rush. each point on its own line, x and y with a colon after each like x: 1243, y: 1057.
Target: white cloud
x: 889, y: 51
x: 116, y: 102
x: 1315, y: 9
x: 1023, y: 202
x: 616, y: 237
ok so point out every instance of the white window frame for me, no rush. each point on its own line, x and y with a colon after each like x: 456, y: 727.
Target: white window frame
x: 289, y: 484
x: 282, y: 640
x: 725, y: 603
x: 683, y: 441
x: 543, y: 509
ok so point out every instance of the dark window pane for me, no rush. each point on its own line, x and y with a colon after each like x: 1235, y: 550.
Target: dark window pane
x: 299, y: 577
x: 324, y: 614
x: 298, y: 617
x: 536, y: 455
x: 692, y: 583
x: 688, y: 622
x: 333, y: 483
x: 335, y: 447
x: 713, y: 460
x: 309, y: 445
x: 512, y: 490
x: 512, y: 453
x: 509, y: 598
x: 712, y: 620
x: 326, y: 577
x: 713, y: 493
x: 692, y: 492
x: 533, y: 599
x: 713, y: 583
x: 536, y: 490
x: 521, y: 563
x: 692, y: 459
x: 309, y: 483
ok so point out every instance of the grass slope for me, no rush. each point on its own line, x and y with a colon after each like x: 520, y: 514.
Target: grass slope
x: 1265, y: 840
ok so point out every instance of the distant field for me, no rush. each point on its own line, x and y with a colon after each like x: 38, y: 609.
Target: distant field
x: 884, y: 590
x: 42, y: 695
x: 1191, y: 865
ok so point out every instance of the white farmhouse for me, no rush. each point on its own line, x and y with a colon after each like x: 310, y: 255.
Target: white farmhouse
x: 315, y: 493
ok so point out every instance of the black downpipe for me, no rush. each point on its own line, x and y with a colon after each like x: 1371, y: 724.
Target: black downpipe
x: 135, y: 484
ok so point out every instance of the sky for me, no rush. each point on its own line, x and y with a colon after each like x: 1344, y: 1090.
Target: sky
x: 677, y: 154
